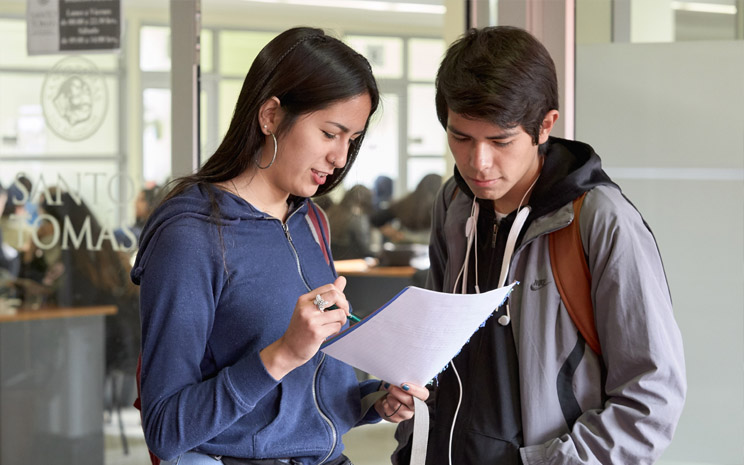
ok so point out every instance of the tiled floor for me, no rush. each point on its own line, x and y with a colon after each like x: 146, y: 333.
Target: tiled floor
x: 366, y: 445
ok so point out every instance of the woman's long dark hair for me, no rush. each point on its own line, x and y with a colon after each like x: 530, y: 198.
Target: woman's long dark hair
x: 307, y: 71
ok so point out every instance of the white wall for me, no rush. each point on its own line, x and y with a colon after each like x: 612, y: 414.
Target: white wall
x: 667, y: 121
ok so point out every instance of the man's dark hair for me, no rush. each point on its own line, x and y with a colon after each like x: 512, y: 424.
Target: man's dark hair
x: 500, y: 74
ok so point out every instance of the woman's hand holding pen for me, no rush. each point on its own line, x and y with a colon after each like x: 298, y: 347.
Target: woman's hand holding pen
x: 397, y: 404
x: 313, y: 321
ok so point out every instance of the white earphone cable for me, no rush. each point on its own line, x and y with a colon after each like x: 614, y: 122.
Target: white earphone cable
x: 511, y: 241
x: 471, y: 234
x: 454, y: 418
x: 471, y: 227
x: 471, y: 231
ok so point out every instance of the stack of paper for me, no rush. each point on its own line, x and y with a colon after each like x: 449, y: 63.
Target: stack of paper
x: 411, y: 338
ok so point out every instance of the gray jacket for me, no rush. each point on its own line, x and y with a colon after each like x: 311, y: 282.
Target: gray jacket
x: 575, y: 407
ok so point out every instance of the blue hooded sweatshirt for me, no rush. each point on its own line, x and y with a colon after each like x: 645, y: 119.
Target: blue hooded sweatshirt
x: 212, y: 297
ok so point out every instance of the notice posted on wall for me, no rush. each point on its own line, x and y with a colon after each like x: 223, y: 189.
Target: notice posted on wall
x: 60, y: 26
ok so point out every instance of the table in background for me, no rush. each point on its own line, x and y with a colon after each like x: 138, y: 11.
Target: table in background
x: 369, y: 289
x: 51, y: 386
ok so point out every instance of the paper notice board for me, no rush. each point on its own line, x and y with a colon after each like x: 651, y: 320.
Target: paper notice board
x: 63, y: 26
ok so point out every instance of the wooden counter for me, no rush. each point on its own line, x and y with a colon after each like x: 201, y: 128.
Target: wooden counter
x: 368, y: 289
x: 26, y: 314
x: 362, y: 267
x: 51, y: 385
x: 382, y: 272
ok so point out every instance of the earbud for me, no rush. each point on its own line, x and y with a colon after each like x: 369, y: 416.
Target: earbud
x: 505, y: 319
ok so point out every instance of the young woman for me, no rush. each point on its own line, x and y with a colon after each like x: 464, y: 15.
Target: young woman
x: 234, y: 280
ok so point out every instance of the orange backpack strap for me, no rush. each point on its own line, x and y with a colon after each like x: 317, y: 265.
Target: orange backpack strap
x: 454, y: 193
x: 572, y: 277
x: 320, y: 228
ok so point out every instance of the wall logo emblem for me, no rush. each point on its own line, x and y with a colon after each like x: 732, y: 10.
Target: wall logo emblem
x: 74, y: 98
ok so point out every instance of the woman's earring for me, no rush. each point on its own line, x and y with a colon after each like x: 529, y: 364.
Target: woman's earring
x: 273, y: 158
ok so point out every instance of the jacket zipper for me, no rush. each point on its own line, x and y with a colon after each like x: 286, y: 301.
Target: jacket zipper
x: 334, y: 433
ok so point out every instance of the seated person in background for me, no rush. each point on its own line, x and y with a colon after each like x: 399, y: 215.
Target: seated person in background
x: 382, y: 192
x: 408, y: 220
x: 92, y: 272
x: 350, y: 226
x: 325, y: 202
x: 8, y: 255
x: 14, y: 223
x: 146, y: 201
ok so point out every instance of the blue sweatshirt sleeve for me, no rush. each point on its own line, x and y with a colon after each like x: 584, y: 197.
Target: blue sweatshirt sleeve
x: 180, y: 287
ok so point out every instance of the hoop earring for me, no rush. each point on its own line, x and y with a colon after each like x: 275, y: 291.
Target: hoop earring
x: 273, y: 158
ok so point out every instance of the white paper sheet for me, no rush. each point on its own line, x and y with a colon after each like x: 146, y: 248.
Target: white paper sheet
x: 414, y: 336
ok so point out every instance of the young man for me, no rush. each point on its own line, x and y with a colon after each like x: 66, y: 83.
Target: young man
x: 527, y: 388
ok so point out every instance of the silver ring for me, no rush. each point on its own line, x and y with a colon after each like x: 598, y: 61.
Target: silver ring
x: 394, y: 411
x: 320, y: 303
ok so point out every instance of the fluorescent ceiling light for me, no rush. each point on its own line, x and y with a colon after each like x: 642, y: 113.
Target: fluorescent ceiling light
x: 697, y: 7
x: 374, y: 5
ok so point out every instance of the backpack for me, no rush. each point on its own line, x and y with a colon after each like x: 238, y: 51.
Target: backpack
x: 318, y: 221
x: 572, y: 277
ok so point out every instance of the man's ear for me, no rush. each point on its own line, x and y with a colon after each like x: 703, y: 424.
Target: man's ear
x: 547, y: 125
x: 269, y: 115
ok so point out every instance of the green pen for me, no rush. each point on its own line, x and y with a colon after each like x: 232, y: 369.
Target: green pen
x: 350, y: 316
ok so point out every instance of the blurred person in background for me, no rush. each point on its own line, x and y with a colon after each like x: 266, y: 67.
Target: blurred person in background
x: 408, y: 220
x: 144, y: 204
x: 9, y: 256
x: 18, y: 213
x: 350, y: 224
x: 382, y: 191
x: 325, y: 202
x: 89, y: 272
x: 7, y: 253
